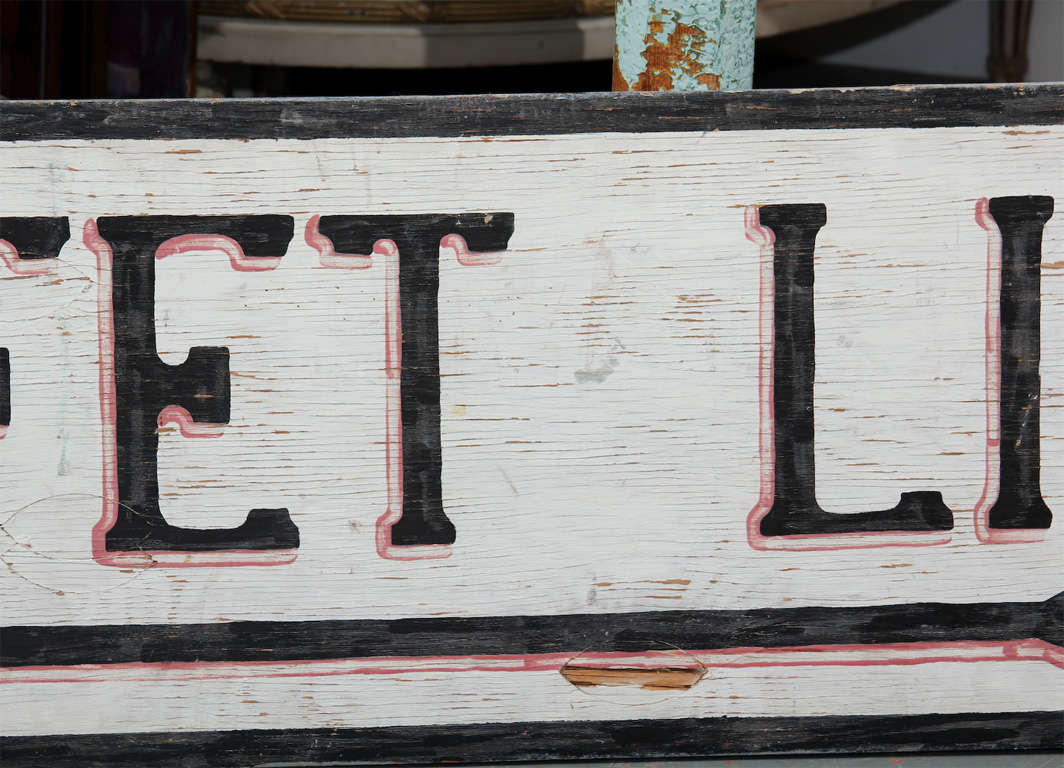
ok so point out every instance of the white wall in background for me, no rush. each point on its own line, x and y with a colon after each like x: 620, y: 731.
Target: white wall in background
x: 1046, y: 49
x: 954, y: 41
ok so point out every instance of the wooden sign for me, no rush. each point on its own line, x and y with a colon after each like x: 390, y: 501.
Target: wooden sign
x: 507, y: 428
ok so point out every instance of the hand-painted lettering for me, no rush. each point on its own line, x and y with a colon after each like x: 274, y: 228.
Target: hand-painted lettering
x: 29, y: 245
x: 139, y: 392
x: 787, y: 506
x: 415, y: 524
x: 1012, y: 507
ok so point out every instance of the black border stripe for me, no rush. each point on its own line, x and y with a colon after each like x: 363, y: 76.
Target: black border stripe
x: 534, y: 114
x: 581, y: 740
x: 571, y: 633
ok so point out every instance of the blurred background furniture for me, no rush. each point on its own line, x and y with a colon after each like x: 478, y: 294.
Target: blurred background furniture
x: 466, y: 33
x: 173, y: 48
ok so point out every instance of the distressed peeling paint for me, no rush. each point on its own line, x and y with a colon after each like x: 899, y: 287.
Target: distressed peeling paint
x: 684, y: 45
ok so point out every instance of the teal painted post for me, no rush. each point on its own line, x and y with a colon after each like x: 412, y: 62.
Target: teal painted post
x: 684, y: 45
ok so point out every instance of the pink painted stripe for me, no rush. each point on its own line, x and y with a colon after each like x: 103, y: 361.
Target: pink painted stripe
x: 175, y: 414
x: 892, y: 654
x: 25, y: 267
x: 466, y: 257
x: 106, y: 334
x: 227, y: 245
x: 327, y: 255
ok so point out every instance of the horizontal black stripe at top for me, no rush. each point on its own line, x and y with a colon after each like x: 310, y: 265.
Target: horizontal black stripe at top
x: 535, y: 114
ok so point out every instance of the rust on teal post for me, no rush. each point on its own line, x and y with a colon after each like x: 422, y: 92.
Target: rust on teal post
x: 684, y: 45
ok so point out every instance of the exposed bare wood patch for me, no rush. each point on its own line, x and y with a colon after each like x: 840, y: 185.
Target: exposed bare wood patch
x: 652, y: 679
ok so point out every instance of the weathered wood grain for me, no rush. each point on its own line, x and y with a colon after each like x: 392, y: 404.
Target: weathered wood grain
x: 598, y: 290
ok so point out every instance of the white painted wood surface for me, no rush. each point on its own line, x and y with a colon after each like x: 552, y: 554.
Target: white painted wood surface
x: 599, y: 411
